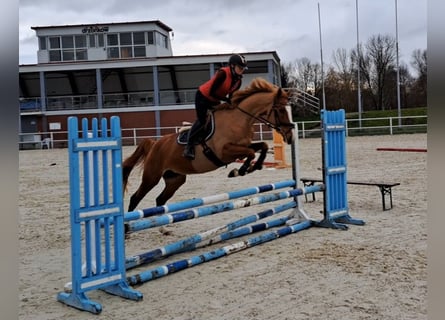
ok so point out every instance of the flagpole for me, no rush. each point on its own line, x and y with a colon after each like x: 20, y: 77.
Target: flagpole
x: 321, y: 54
x: 359, y: 98
x: 399, y: 114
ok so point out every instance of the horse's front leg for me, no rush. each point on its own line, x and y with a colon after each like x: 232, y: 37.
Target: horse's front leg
x: 263, y: 148
x: 240, y: 152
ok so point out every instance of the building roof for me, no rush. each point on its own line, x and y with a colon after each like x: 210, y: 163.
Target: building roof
x: 157, y: 22
x: 138, y: 62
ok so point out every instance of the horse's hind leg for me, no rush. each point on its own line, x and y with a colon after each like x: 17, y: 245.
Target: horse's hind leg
x: 148, y: 182
x: 173, y: 181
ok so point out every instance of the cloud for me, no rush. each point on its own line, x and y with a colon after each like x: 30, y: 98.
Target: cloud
x: 289, y: 27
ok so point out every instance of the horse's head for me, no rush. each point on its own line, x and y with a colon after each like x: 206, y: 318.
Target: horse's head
x: 265, y: 102
x: 280, y: 116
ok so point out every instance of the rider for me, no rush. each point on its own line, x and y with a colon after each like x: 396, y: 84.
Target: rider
x: 219, y: 88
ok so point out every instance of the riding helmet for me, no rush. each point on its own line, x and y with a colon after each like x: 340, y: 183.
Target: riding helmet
x: 238, y: 59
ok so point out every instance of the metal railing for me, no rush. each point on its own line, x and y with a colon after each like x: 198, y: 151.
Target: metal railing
x: 370, y: 126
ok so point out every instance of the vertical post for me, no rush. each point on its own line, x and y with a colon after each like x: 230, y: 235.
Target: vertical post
x: 98, y: 259
x: 335, y: 198
x: 157, y: 100
x: 359, y: 97
x: 99, y: 91
x: 295, y: 160
x: 321, y: 58
x: 399, y: 113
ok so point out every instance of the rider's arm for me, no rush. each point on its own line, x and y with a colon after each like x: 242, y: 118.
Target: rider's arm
x: 237, y: 87
x: 220, y: 77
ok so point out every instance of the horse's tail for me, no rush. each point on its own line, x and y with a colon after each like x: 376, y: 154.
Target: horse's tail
x: 136, y: 158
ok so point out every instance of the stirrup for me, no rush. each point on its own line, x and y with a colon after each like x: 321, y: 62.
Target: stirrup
x: 189, y: 152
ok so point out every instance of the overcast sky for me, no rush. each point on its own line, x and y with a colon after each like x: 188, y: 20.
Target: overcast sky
x: 289, y: 27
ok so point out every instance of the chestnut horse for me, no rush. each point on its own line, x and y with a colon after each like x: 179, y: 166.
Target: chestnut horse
x: 231, y: 140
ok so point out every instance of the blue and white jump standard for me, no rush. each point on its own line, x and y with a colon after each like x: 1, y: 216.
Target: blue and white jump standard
x: 99, y: 224
x: 95, y: 199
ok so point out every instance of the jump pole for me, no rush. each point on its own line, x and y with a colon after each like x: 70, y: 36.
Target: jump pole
x: 403, y: 149
x: 191, y: 242
x: 196, y: 202
x: 165, y: 219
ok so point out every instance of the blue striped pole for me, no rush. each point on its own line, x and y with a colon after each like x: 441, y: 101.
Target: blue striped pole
x: 190, y: 242
x: 215, y: 254
x: 188, y: 204
x: 205, y: 211
x: 239, y: 232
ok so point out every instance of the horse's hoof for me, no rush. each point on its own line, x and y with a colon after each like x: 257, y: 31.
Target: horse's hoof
x: 233, y: 173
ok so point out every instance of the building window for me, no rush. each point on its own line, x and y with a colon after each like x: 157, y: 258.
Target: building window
x: 126, y: 45
x: 68, y: 48
x: 42, y: 43
x: 126, y: 52
x: 150, y: 37
x: 67, y: 42
x: 54, y: 42
x: 100, y: 40
x: 113, y: 53
x: 68, y: 55
x: 139, y: 44
x: 81, y: 54
x: 112, y: 40
x: 55, y: 55
x: 92, y: 41
x: 139, y: 38
x: 81, y: 41
x: 125, y: 39
x: 139, y: 51
x: 161, y: 40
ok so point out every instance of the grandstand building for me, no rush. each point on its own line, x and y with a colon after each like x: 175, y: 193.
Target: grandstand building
x: 126, y: 69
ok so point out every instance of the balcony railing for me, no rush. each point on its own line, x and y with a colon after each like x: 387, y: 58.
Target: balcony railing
x: 118, y: 100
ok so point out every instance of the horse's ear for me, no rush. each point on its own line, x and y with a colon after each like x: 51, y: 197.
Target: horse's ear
x: 288, y: 92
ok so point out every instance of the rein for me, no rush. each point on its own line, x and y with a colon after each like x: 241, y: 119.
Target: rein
x: 267, y: 122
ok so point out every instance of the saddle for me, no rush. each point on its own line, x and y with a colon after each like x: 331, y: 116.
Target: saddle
x: 207, y: 132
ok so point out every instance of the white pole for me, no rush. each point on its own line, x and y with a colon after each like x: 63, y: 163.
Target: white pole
x: 399, y: 114
x: 359, y: 98
x: 299, y: 214
x: 321, y: 55
x: 91, y: 223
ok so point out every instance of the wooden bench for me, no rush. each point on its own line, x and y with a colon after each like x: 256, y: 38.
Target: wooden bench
x: 384, y: 187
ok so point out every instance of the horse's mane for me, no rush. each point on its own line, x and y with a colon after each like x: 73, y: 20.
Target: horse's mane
x: 257, y: 85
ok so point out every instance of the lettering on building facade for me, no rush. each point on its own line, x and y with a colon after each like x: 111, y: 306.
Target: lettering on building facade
x: 95, y: 29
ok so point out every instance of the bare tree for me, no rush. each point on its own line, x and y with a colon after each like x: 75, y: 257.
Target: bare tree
x: 303, y: 73
x: 377, y: 60
x: 341, y: 79
x: 419, y: 63
x: 381, y: 52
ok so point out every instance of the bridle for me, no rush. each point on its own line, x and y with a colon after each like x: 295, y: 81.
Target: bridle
x: 277, y: 125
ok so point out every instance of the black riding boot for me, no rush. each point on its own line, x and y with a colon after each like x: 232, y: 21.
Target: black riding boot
x: 189, y: 151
